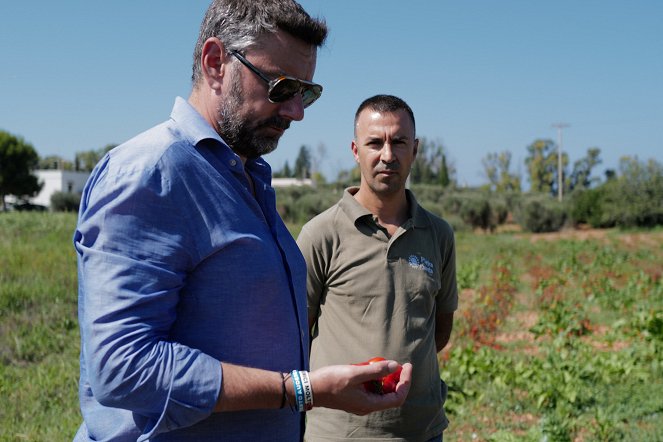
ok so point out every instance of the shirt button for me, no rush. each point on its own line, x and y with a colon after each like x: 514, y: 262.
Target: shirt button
x: 233, y: 162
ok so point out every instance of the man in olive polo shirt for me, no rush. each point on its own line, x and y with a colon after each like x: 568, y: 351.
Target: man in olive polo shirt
x: 381, y: 281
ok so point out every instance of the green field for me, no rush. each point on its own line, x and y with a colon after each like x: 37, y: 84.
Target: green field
x: 559, y: 337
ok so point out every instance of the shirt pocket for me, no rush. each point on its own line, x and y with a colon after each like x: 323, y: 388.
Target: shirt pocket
x: 420, y: 284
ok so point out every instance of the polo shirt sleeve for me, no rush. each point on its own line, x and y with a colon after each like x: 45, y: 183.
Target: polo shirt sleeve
x: 312, y: 245
x: 447, y: 298
x: 133, y: 253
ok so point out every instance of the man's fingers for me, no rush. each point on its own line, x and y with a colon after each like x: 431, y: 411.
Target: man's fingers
x: 406, y: 374
x: 376, y: 370
x: 397, y: 398
x: 403, y: 386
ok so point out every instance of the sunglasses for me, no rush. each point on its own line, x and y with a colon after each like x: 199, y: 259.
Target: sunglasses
x: 283, y: 87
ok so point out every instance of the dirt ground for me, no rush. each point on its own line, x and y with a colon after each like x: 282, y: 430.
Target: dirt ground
x: 587, y: 233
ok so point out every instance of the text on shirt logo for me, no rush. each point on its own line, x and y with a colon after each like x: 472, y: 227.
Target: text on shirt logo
x: 421, y: 263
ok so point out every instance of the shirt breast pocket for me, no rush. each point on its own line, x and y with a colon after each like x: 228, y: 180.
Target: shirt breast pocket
x: 420, y: 283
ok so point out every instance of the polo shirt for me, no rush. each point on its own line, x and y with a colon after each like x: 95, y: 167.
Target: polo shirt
x: 375, y: 295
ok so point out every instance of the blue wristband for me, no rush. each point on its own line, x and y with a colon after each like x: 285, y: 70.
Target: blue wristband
x: 299, y: 390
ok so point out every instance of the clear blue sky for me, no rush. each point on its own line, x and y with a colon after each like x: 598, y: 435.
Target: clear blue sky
x: 482, y: 76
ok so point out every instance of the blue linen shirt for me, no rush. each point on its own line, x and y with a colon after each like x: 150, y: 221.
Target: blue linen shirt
x: 181, y: 267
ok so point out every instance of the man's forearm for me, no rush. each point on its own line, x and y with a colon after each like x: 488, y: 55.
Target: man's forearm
x: 244, y: 388
x: 339, y: 387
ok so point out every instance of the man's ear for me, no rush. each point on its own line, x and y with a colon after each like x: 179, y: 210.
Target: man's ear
x: 213, y: 62
x: 416, y: 148
x: 355, y: 151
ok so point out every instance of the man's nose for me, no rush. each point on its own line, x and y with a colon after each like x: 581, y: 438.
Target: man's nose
x: 292, y: 109
x: 387, y: 154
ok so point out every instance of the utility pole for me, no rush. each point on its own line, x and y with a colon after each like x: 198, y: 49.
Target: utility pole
x: 560, y: 184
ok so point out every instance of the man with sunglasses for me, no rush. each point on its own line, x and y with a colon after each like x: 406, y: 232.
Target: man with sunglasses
x: 192, y: 292
x: 381, y: 281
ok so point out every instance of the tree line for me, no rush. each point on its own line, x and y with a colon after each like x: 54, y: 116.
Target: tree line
x: 433, y: 166
x: 631, y: 195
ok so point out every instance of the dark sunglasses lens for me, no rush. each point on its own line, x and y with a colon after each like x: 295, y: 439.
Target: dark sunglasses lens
x: 311, y: 93
x: 284, y: 89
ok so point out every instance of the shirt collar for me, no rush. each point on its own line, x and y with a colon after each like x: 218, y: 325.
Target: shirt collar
x: 194, y: 129
x: 354, y: 210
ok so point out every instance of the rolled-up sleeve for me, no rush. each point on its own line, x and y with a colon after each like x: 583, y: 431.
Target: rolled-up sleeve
x: 134, y: 255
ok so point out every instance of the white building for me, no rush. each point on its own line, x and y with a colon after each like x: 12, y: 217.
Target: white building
x: 289, y: 182
x: 70, y: 181
x: 67, y: 181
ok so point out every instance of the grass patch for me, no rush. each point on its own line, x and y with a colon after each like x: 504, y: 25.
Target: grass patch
x: 39, y: 339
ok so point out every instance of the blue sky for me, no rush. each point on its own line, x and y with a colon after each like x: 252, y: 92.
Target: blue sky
x: 482, y: 76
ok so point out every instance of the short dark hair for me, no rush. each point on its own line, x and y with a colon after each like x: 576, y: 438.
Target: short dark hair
x: 385, y: 103
x: 239, y: 24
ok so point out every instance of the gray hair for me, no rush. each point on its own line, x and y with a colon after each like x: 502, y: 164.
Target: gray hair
x: 240, y: 23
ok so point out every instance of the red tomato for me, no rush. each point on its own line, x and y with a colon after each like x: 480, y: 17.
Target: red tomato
x: 385, y: 385
x: 390, y: 381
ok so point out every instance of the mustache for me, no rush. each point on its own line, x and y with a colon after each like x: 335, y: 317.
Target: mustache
x: 279, y: 122
x: 389, y: 167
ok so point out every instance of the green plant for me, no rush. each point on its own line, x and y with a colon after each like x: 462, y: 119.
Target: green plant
x: 467, y: 275
x: 65, y: 202
x: 540, y: 213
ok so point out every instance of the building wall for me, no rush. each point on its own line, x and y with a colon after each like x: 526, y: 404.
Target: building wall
x: 74, y: 181
x: 288, y: 182
x: 67, y: 181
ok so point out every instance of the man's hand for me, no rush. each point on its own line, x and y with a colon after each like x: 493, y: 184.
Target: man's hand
x: 341, y: 387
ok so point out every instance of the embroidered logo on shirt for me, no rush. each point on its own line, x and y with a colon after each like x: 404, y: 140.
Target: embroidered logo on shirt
x: 421, y: 263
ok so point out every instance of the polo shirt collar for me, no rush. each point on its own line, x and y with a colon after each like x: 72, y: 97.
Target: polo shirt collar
x: 417, y: 213
x: 354, y: 210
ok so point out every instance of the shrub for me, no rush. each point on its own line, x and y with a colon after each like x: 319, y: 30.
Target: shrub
x: 476, y: 211
x: 29, y: 207
x: 585, y: 206
x: 65, y: 202
x: 632, y: 203
x: 499, y: 209
x: 484, y: 210
x: 540, y: 213
x: 632, y: 200
x: 428, y: 194
x: 456, y: 223
x: 297, y: 205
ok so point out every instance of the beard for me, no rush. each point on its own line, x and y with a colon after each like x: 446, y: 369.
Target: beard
x: 390, y: 186
x: 243, y: 135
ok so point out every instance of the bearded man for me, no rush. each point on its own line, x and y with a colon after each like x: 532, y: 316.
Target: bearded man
x: 192, y: 292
